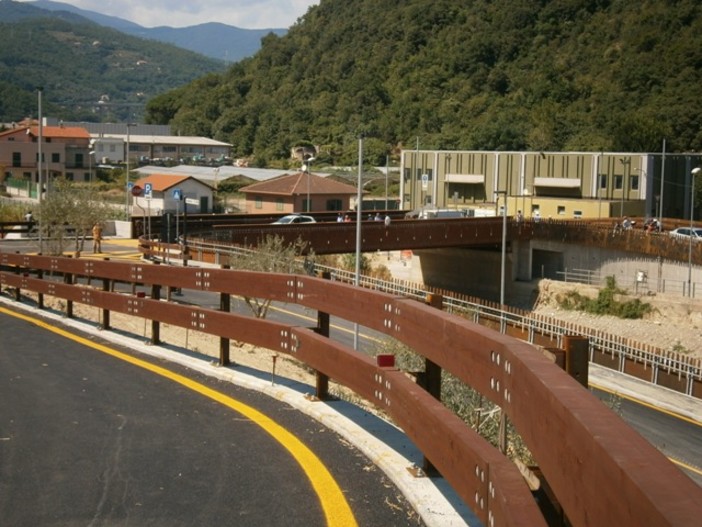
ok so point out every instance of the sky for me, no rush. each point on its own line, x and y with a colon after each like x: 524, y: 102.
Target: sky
x: 247, y: 14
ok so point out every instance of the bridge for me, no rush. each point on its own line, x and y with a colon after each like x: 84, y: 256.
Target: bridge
x: 599, y: 471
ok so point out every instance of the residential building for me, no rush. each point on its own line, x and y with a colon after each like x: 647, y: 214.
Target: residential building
x: 171, y: 193
x: 549, y: 184
x: 65, y: 151
x: 301, y: 192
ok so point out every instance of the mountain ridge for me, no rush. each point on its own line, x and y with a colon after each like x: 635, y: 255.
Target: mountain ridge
x: 212, y: 39
x: 88, y: 72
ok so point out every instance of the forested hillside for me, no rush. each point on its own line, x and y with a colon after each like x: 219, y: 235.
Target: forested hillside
x: 88, y: 72
x: 484, y: 74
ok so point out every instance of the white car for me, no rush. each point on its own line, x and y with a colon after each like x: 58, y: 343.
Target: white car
x: 695, y: 232
x: 294, y: 218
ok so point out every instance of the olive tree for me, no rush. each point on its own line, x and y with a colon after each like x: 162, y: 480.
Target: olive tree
x: 272, y: 255
x: 69, y: 211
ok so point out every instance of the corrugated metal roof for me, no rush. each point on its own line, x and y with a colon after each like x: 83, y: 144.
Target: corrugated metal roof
x: 165, y: 139
x: 223, y: 172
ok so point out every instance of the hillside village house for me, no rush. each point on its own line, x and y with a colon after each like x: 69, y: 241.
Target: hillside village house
x: 549, y: 184
x: 74, y: 151
x: 301, y: 192
x: 171, y: 193
x: 65, y: 151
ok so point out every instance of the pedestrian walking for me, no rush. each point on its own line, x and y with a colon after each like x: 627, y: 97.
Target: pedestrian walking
x: 97, y: 238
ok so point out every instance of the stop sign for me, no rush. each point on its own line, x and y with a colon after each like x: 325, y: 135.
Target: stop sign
x: 136, y: 190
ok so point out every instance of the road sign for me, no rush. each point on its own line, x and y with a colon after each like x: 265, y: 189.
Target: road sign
x: 177, y: 194
x: 148, y: 190
x: 136, y: 190
x: 192, y: 201
x: 425, y: 181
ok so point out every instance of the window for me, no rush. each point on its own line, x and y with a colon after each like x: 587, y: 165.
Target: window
x: 561, y: 210
x: 618, y: 182
x: 55, y: 157
x: 279, y: 204
x: 577, y: 213
x: 603, y: 180
x: 334, y: 204
x: 634, y: 182
x: 16, y: 159
x: 259, y: 202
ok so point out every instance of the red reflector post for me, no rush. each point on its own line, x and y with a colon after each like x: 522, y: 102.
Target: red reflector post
x: 385, y: 361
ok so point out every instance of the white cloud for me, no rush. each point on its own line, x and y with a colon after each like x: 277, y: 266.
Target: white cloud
x: 249, y: 14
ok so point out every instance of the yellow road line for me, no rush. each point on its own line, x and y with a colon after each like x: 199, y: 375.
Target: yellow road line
x: 336, y: 509
x: 643, y: 403
x: 682, y: 464
x: 306, y: 317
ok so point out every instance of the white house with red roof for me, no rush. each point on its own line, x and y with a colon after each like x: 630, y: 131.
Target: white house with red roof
x: 171, y: 193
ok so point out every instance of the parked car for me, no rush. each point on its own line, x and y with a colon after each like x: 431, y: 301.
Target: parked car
x: 695, y: 232
x: 294, y: 218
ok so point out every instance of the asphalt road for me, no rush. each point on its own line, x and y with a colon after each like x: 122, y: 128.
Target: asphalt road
x: 94, y: 437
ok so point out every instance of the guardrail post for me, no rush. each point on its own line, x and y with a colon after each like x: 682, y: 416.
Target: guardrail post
x: 322, y: 380
x: 576, y: 357
x: 68, y: 279
x: 106, y: 312
x: 155, y: 325
x: 430, y: 378
x: 225, y: 304
x: 18, y: 293
x: 40, y: 296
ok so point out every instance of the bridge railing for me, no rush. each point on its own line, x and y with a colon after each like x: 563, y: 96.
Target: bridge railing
x: 600, y: 470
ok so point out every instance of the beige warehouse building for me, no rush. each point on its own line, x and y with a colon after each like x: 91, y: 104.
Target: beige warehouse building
x: 555, y: 185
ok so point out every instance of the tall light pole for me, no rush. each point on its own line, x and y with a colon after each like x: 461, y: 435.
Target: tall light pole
x: 40, y: 176
x: 359, y: 198
x: 91, y: 154
x: 660, y: 209
x: 694, y: 173
x: 504, y: 251
x: 644, y: 175
x: 387, y: 171
x: 126, y: 183
x: 306, y: 169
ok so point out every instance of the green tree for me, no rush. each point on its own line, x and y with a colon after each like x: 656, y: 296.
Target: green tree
x: 272, y: 255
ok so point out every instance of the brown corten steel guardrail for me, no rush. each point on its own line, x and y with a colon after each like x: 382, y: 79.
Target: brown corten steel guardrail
x: 600, y: 470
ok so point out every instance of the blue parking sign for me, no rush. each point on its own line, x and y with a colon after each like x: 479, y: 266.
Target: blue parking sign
x: 177, y: 194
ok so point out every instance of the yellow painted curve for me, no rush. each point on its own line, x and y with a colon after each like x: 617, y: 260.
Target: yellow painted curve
x: 336, y: 509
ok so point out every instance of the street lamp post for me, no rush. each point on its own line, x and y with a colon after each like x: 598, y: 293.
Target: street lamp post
x: 504, y: 251
x: 306, y: 169
x: 91, y: 154
x: 359, y: 212
x: 126, y: 184
x: 694, y: 173
x: 40, y: 176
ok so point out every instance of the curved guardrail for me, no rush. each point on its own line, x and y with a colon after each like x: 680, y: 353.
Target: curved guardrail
x: 675, y: 371
x: 600, y: 470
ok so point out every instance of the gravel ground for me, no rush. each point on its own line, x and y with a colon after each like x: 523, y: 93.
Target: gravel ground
x: 675, y: 323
